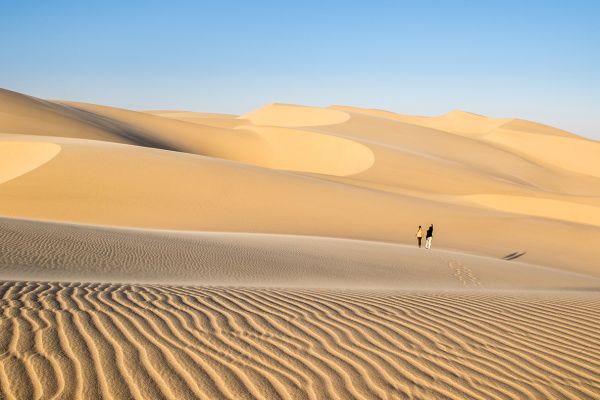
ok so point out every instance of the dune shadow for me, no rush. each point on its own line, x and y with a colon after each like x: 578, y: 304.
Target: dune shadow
x: 513, y: 256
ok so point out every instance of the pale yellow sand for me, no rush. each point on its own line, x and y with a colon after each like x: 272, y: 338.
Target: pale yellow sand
x: 19, y: 158
x: 273, y: 255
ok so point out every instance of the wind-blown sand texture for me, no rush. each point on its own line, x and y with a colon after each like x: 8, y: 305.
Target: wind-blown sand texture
x: 172, y: 254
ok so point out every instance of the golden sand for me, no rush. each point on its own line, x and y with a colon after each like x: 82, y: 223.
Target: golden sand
x: 176, y: 254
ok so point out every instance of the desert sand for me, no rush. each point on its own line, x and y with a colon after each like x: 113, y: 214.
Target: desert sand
x: 181, y: 255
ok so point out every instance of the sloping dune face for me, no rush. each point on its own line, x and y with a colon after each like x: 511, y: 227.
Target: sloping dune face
x: 541, y: 143
x: 540, y: 207
x: 19, y: 158
x: 297, y: 150
x: 573, y: 154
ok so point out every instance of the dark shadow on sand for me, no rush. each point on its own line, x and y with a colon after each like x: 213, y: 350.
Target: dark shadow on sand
x: 513, y: 256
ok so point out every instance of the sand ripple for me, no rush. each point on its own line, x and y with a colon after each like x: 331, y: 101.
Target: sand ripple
x: 73, y: 340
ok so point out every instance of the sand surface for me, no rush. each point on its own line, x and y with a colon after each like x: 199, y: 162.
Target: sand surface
x: 178, y: 254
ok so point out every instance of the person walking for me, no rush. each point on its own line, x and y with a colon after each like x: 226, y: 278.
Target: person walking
x: 419, y: 235
x: 428, y: 237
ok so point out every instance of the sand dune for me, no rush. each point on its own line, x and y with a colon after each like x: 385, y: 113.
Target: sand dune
x: 542, y: 143
x: 460, y: 122
x: 134, y: 186
x: 177, y: 254
x: 36, y: 250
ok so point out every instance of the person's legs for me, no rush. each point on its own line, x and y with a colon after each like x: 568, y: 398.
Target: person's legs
x: 419, y: 240
x: 428, y: 243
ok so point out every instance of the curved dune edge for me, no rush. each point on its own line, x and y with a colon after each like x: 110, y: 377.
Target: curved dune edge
x: 289, y: 116
x: 539, y: 207
x: 145, y: 342
x: 305, y: 151
x: 19, y: 158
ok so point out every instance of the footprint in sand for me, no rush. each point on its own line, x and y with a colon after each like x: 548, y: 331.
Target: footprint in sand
x: 464, y: 274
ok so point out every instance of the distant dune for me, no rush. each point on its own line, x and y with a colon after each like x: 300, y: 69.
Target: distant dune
x: 178, y: 254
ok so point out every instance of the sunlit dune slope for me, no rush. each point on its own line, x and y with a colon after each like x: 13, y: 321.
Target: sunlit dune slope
x: 113, y: 184
x: 547, y: 146
x: 18, y: 158
x: 273, y: 148
x: 339, y: 171
x: 277, y: 148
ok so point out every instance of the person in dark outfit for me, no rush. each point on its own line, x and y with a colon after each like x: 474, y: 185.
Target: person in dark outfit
x: 428, y: 237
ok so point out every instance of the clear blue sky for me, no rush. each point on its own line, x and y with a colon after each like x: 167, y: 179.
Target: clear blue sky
x: 532, y: 59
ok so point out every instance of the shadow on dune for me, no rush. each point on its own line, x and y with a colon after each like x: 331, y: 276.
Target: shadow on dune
x: 514, y: 256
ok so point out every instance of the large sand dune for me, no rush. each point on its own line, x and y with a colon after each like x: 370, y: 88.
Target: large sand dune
x: 176, y: 254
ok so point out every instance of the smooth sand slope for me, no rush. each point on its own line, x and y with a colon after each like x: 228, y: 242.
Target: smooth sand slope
x: 172, y: 254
